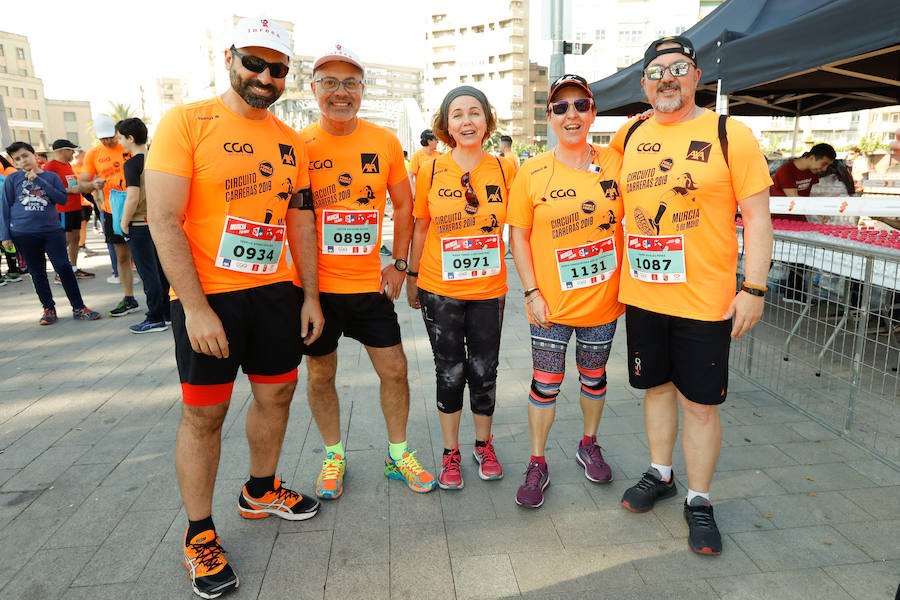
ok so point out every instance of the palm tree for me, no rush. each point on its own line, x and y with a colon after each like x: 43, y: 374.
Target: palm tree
x: 120, y: 111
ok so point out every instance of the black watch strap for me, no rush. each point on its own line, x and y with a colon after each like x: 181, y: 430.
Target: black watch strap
x: 753, y: 291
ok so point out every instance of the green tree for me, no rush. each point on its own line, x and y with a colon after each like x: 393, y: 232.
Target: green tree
x: 120, y: 111
x: 870, y: 144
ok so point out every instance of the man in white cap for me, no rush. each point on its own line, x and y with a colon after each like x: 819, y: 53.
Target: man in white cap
x: 353, y: 165
x: 227, y: 185
x: 101, y: 174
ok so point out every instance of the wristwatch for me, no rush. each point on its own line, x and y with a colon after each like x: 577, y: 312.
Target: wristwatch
x: 400, y: 264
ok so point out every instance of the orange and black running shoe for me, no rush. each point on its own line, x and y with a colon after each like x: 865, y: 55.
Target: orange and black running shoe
x: 281, y: 502
x: 211, y: 575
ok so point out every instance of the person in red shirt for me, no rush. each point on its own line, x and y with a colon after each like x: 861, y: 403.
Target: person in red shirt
x: 70, y: 213
x: 796, y: 177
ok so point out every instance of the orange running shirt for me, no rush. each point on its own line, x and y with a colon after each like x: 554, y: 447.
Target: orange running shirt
x: 680, y: 202
x: 77, y: 168
x: 420, y: 157
x: 463, y: 253
x: 104, y: 162
x: 513, y: 160
x: 576, y: 240
x: 349, y: 176
x: 243, y: 173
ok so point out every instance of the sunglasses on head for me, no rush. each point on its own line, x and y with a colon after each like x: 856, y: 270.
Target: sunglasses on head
x: 471, y: 198
x: 255, y: 64
x: 679, y: 69
x: 561, y: 107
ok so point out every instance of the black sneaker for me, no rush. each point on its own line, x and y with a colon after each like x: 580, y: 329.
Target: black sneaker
x: 704, y: 536
x: 125, y: 307
x: 641, y: 496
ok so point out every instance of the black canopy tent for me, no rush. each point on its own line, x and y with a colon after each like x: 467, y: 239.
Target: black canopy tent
x: 784, y: 57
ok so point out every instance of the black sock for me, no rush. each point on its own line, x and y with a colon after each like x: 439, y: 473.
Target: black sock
x: 448, y: 451
x: 258, y: 486
x: 195, y: 527
x: 480, y: 444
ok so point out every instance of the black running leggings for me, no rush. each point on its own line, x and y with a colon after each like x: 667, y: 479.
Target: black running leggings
x: 465, y: 340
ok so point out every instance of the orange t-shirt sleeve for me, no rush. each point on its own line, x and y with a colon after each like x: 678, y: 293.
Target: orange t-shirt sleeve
x: 302, y: 162
x: 520, y: 212
x: 89, y: 165
x: 749, y: 171
x: 617, y: 143
x: 423, y: 187
x: 172, y: 148
x: 397, y: 171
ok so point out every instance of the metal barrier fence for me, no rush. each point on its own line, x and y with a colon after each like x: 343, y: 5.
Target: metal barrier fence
x: 828, y: 343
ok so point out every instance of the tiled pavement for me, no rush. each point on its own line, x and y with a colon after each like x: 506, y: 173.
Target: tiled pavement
x: 89, y: 506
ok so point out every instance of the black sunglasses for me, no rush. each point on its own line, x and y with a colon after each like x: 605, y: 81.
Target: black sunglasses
x: 471, y: 198
x: 561, y: 107
x: 278, y: 70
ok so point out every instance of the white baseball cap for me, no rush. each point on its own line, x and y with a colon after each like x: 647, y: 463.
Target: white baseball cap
x: 261, y: 32
x: 339, y: 52
x: 104, y: 127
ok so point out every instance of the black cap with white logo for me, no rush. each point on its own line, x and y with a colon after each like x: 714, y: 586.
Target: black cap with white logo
x: 685, y: 46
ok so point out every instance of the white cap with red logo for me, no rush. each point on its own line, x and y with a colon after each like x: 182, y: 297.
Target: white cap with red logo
x: 263, y: 33
x: 339, y: 52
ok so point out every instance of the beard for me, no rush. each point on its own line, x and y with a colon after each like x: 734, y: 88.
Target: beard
x: 242, y: 87
x: 669, y: 105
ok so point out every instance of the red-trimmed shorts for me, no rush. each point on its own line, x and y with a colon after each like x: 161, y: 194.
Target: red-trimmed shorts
x: 262, y: 325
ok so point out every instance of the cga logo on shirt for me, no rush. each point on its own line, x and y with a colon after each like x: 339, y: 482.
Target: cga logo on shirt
x: 237, y: 148
x: 320, y: 164
x: 445, y: 193
x: 653, y: 147
x: 287, y: 155
x: 562, y: 193
x: 699, y: 151
x: 369, y: 163
x: 493, y: 193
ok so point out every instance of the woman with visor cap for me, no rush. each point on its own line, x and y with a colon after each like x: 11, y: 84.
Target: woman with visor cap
x: 564, y: 216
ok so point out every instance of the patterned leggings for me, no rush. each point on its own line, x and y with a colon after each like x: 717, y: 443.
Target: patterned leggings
x: 548, y: 350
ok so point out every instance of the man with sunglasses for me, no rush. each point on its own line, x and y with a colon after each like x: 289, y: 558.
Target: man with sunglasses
x: 219, y: 213
x: 678, y: 275
x: 353, y: 165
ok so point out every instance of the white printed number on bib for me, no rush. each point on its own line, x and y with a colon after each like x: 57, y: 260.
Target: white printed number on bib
x: 349, y: 231
x: 587, y: 265
x: 470, y: 257
x: 656, y: 258
x: 250, y: 247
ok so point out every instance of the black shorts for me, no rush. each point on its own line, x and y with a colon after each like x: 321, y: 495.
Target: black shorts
x: 368, y: 318
x: 86, y: 212
x: 691, y: 354
x: 262, y: 325
x: 71, y: 221
x: 108, y: 232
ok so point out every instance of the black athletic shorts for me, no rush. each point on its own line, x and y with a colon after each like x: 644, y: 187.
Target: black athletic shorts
x: 108, y: 232
x: 262, y: 325
x: 691, y: 354
x: 71, y: 221
x: 368, y: 318
x: 86, y: 212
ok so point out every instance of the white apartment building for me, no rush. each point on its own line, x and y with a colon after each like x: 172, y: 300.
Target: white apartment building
x: 483, y: 43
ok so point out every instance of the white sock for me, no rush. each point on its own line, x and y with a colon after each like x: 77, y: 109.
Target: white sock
x: 74, y: 269
x: 665, y: 471
x: 692, y: 494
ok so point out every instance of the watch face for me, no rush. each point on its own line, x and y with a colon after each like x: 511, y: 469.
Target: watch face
x: 400, y: 264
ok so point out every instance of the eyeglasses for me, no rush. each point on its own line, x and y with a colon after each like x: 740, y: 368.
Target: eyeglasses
x: 561, y: 107
x: 471, y: 198
x: 330, y: 84
x: 679, y: 69
x: 278, y: 70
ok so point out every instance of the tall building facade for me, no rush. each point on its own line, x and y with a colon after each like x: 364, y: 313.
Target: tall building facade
x: 28, y: 116
x: 483, y: 43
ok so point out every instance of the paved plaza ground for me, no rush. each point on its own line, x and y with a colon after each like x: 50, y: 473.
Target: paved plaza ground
x: 89, y: 504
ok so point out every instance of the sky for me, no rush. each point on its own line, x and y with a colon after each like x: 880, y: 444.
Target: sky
x: 103, y: 51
